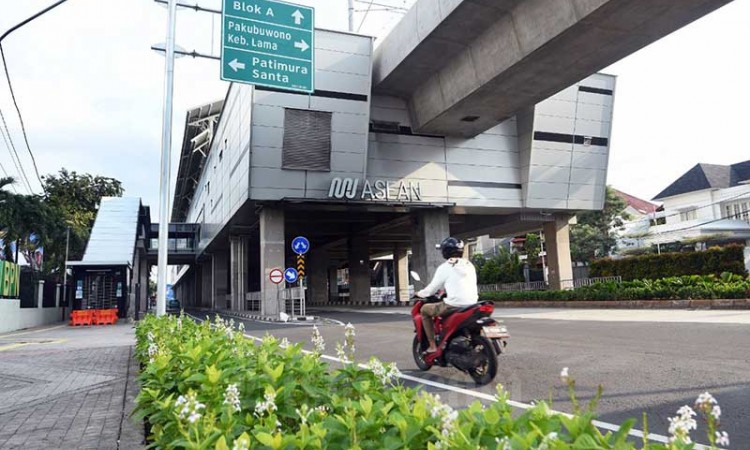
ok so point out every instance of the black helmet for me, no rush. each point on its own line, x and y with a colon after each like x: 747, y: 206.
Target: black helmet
x: 451, y: 248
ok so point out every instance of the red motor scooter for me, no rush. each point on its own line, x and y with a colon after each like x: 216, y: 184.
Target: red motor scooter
x: 469, y: 339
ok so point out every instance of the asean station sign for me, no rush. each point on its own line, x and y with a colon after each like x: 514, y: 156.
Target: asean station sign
x: 268, y: 43
x: 376, y: 190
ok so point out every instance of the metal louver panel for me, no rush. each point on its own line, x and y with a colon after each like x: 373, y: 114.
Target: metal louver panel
x: 307, y: 140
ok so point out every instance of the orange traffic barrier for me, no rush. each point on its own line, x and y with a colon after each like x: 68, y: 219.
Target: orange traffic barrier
x: 81, y: 317
x: 93, y: 317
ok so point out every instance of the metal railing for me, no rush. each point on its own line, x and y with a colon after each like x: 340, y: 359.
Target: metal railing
x: 542, y: 286
x: 513, y: 287
x: 294, y: 301
x: 252, y: 301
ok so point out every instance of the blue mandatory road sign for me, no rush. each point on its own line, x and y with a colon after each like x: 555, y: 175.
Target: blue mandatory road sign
x: 291, y: 275
x: 268, y: 43
x: 300, y: 245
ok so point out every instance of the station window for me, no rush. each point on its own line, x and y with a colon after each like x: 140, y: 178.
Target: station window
x: 307, y: 140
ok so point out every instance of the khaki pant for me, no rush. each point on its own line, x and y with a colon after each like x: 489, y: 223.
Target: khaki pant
x: 431, y: 310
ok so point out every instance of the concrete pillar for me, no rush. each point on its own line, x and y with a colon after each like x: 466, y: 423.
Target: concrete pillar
x: 429, y: 229
x: 747, y: 255
x: 317, y: 268
x: 272, y: 252
x: 207, y: 296
x: 401, y: 273
x: 57, y: 295
x: 239, y: 270
x: 359, y: 270
x: 333, y: 285
x: 40, y: 294
x: 557, y: 245
x: 219, y: 279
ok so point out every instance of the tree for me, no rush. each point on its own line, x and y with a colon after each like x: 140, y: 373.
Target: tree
x: 75, y: 198
x: 28, y: 221
x: 594, y: 235
x: 532, y: 246
x: 503, y: 267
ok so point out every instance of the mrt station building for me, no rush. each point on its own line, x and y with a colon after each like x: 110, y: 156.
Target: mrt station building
x: 394, y: 150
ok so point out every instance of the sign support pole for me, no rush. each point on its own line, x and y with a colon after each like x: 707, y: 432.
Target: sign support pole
x: 166, y: 144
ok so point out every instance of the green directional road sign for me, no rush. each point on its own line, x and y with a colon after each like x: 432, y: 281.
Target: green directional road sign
x: 268, y: 43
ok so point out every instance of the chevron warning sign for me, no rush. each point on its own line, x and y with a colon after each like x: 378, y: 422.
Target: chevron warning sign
x: 301, y: 265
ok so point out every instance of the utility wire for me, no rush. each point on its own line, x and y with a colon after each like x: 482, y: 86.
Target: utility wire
x: 742, y: 194
x: 10, y: 85
x: 20, y: 118
x: 365, y: 16
x: 12, y: 150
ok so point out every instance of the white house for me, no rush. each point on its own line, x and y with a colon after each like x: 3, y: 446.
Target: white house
x: 710, y: 202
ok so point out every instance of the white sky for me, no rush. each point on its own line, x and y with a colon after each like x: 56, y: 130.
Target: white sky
x: 90, y: 90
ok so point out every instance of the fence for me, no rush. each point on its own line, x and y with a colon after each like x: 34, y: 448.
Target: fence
x: 542, y: 286
x: 294, y: 301
x: 386, y: 295
x: 252, y: 301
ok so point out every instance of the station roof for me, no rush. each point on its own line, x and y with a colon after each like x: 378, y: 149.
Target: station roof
x: 113, y: 237
x: 200, y: 123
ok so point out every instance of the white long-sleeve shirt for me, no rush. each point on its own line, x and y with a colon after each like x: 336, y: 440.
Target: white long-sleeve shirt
x: 459, y: 279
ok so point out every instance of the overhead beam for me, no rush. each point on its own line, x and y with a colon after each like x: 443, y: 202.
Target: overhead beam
x: 465, y: 66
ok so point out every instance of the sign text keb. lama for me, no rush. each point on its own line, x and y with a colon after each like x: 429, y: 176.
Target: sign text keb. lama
x: 377, y: 190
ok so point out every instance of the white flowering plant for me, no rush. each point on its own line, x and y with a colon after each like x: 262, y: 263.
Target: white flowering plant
x: 203, y: 386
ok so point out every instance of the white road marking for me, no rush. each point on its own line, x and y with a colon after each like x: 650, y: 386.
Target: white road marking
x: 723, y: 316
x: 480, y: 395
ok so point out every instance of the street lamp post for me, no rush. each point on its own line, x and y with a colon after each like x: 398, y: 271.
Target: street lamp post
x: 166, y: 143
x: 65, y: 272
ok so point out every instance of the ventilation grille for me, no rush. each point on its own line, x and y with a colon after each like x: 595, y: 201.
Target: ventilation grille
x: 307, y: 140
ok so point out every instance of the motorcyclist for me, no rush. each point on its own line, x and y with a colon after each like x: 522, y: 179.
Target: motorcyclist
x: 459, y: 279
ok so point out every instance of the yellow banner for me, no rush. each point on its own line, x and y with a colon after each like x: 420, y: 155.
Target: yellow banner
x: 10, y: 279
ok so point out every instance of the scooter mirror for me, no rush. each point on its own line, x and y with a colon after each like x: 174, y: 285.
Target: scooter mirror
x: 415, y: 275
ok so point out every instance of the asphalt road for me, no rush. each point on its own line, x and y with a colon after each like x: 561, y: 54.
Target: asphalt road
x: 651, y: 367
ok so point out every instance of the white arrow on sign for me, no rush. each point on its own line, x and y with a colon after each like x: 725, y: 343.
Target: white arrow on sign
x: 236, y: 65
x: 302, y: 45
x: 297, y: 17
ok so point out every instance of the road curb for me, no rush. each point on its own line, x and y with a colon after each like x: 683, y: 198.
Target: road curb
x: 629, y: 304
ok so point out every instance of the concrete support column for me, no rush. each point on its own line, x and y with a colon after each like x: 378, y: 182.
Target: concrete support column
x: 40, y: 294
x: 220, y: 287
x: 333, y: 284
x: 429, y: 229
x: 401, y: 273
x: 238, y: 249
x: 272, y: 252
x: 207, y: 296
x: 557, y: 245
x: 359, y: 270
x: 317, y: 268
x: 747, y: 255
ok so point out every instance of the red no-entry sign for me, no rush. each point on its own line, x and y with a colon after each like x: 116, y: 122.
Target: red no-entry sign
x: 276, y: 276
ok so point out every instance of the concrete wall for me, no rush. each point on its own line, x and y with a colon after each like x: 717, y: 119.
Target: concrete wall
x: 13, y: 317
x: 342, y: 67
x: 224, y: 183
x: 570, y: 175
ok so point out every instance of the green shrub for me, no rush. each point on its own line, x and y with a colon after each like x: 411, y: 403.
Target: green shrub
x: 206, y: 387
x: 713, y: 261
x: 692, y: 287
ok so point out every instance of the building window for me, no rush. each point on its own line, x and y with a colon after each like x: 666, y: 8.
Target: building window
x: 688, y: 215
x: 307, y: 140
x: 739, y: 210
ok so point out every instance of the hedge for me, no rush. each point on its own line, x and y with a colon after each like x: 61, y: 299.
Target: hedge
x: 206, y: 387
x: 713, y: 261
x: 693, y: 287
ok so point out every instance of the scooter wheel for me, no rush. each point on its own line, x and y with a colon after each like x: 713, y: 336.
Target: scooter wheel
x: 486, y: 371
x: 417, y: 350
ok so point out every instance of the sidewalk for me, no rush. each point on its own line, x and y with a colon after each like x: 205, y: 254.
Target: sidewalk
x: 68, y: 388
